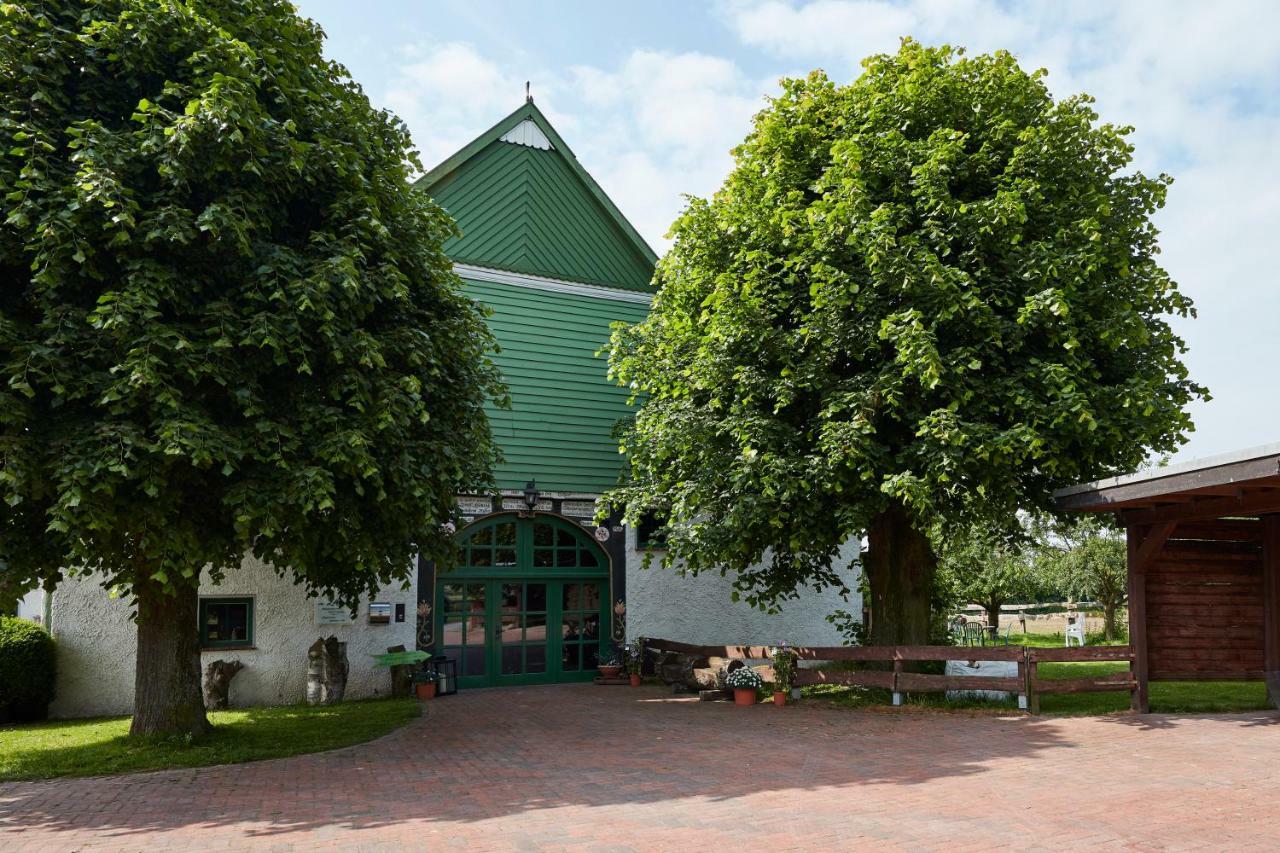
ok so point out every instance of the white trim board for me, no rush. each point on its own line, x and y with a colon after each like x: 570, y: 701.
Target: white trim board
x: 556, y: 285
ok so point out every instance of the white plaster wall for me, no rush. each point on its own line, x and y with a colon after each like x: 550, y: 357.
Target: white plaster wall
x: 31, y: 606
x: 664, y: 603
x: 97, y: 643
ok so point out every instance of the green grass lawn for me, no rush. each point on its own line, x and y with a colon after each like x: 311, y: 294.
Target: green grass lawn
x: 93, y: 747
x: 1171, y: 697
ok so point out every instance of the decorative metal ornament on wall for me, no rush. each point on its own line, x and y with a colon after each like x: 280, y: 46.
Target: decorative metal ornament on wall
x: 602, y: 534
x: 424, y: 629
x: 620, y: 620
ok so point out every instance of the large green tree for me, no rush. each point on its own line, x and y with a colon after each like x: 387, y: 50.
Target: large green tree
x: 928, y: 297
x: 227, y: 324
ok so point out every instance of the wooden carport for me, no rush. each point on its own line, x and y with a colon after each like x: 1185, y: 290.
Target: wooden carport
x: 1204, y: 566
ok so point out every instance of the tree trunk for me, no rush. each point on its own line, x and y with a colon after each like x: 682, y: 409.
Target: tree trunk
x: 1109, y: 621
x: 217, y: 683
x: 327, y: 670
x: 167, y: 696
x: 900, y: 565
x: 993, y: 614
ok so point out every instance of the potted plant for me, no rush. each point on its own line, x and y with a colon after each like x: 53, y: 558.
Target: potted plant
x: 634, y: 653
x: 424, y: 683
x: 610, y: 668
x: 784, y: 668
x: 744, y: 682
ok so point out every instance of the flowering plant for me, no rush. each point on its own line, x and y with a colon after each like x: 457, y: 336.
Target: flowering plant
x: 784, y: 667
x: 745, y: 678
x: 633, y: 654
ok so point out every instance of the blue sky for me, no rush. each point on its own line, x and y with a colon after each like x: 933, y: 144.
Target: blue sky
x: 652, y: 95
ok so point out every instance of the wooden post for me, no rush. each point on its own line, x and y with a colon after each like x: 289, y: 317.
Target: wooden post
x: 1271, y: 605
x: 897, y: 671
x: 1024, y: 677
x: 1139, y: 701
x: 1033, y: 698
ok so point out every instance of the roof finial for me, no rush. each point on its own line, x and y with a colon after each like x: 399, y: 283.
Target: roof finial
x: 528, y: 98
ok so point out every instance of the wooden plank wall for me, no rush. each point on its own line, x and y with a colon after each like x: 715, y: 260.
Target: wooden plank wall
x: 1204, y: 603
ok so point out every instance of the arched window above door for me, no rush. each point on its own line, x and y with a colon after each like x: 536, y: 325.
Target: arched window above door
x: 544, y: 544
x: 560, y: 547
x: 491, y: 544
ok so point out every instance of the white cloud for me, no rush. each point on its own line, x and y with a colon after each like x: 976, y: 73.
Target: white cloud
x: 661, y: 125
x: 451, y: 93
x: 848, y: 30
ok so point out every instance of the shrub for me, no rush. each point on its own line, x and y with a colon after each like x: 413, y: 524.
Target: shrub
x: 28, y: 669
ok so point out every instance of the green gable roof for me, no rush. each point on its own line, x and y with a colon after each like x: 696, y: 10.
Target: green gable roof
x: 528, y: 207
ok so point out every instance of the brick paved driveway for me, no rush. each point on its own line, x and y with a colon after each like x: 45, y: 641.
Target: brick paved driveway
x: 590, y: 768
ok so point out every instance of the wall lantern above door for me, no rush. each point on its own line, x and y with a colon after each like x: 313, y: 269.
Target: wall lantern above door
x: 531, y: 495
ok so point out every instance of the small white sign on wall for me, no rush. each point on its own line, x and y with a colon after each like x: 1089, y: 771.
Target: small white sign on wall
x: 328, y: 613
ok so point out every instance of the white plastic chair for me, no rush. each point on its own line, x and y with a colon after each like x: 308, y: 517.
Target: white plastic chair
x: 1075, y: 630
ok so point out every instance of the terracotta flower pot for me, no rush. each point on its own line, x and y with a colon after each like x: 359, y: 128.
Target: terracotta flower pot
x: 425, y: 689
x: 610, y: 671
x: 635, y: 679
x: 779, y: 697
x: 744, y: 696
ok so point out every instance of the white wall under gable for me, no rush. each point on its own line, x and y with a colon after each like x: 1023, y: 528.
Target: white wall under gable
x: 529, y: 134
x: 97, y: 643
x: 664, y: 603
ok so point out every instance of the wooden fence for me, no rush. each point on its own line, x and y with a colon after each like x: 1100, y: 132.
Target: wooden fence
x: 1027, y: 683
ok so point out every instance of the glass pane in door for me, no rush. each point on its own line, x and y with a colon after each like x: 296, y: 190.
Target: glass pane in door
x: 580, y: 626
x: 524, y: 628
x: 463, y: 630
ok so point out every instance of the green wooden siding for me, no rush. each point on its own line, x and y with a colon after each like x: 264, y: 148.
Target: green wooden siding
x: 526, y: 210
x: 563, y: 406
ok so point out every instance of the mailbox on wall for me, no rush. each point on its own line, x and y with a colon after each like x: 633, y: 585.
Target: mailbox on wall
x: 379, y: 612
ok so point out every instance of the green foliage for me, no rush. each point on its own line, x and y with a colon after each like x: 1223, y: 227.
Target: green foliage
x: 1087, y: 560
x: 852, y: 630
x: 934, y: 289
x: 94, y: 747
x: 228, y: 324
x: 784, y: 668
x: 28, y: 670
x: 11, y: 591
x: 983, y: 566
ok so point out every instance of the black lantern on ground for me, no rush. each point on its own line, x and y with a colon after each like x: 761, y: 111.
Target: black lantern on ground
x: 530, y: 497
x: 446, y: 675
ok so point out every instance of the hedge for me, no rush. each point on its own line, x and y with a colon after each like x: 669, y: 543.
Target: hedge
x: 28, y: 669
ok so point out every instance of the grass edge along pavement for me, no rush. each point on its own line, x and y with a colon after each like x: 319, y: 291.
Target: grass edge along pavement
x: 94, y: 747
x: 1167, y: 697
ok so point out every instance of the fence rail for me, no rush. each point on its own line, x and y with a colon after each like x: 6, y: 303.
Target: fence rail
x: 1027, y: 683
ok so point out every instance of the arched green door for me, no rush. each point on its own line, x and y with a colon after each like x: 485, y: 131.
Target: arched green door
x: 527, y: 604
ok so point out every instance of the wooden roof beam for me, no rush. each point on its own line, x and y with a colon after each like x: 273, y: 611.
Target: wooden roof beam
x: 1151, y: 544
x: 1246, y: 504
